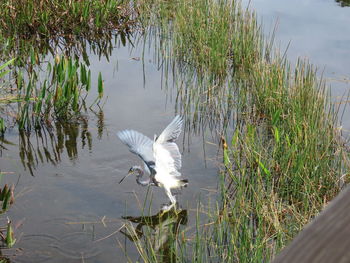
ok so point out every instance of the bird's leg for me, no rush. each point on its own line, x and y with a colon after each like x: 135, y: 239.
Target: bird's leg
x: 172, y: 200
x: 171, y: 197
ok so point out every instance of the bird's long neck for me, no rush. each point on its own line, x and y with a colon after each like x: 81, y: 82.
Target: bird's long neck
x: 139, y: 180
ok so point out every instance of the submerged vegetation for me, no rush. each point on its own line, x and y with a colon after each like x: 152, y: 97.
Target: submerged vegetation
x: 283, y: 155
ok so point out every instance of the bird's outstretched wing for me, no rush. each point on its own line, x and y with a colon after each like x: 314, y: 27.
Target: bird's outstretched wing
x: 139, y: 144
x: 172, y: 131
x: 165, y: 149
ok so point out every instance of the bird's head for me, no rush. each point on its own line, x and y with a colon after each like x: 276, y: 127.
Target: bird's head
x: 133, y: 170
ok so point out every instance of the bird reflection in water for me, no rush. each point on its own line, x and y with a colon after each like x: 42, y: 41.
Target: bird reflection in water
x: 157, y: 233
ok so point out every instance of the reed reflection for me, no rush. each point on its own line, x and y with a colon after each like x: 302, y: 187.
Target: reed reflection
x: 48, y: 144
x: 156, y: 236
x: 35, y: 50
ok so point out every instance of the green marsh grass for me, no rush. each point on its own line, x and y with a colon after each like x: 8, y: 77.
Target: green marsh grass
x: 4, y: 72
x: 47, y: 18
x: 33, y: 29
x: 203, y: 48
x: 283, y: 156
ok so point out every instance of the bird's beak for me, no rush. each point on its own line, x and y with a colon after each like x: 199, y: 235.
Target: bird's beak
x: 125, y: 177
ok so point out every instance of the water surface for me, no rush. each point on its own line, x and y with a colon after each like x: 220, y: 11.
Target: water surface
x: 67, y: 193
x: 314, y: 29
x: 69, y: 206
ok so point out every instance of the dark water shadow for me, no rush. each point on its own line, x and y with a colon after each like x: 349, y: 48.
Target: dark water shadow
x: 158, y: 233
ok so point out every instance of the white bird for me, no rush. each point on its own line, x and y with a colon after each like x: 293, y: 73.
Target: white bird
x: 162, y: 158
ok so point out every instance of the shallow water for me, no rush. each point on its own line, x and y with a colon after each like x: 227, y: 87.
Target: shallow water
x: 69, y: 205
x: 67, y: 191
x: 314, y: 29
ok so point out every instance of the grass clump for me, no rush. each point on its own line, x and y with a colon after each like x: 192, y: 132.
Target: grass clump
x: 284, y: 162
x: 46, y: 18
x: 216, y: 37
x: 209, y: 37
x: 42, y: 27
x: 203, y: 47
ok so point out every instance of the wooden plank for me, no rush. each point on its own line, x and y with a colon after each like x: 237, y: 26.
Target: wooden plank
x: 325, y: 239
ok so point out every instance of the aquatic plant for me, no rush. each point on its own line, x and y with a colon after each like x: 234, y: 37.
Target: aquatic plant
x: 47, y: 18
x: 6, y: 200
x: 61, y: 95
x: 202, y: 49
x: 3, y: 66
x: 72, y: 28
x: 4, y: 72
